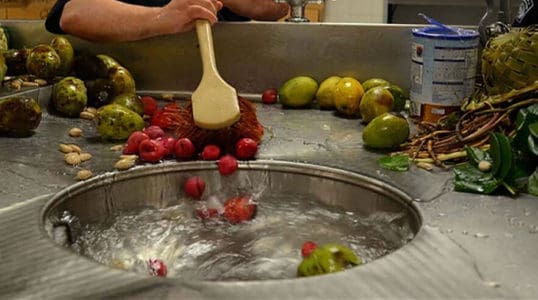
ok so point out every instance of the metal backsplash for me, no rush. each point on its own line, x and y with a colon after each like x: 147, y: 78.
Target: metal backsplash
x: 253, y: 56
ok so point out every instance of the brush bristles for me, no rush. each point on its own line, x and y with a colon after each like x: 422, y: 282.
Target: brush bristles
x: 248, y: 126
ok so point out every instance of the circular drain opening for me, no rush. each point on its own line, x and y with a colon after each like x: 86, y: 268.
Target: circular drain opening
x: 123, y: 220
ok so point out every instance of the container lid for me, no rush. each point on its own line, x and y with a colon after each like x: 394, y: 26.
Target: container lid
x: 435, y: 32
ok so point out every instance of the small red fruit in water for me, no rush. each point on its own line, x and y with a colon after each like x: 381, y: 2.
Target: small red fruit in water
x: 154, y: 132
x: 133, y: 142
x: 270, y: 96
x: 194, y: 187
x: 308, y: 247
x: 150, y: 105
x: 246, y: 148
x: 168, y: 144
x: 207, y: 213
x: 184, y: 148
x: 211, y: 152
x: 156, y: 267
x: 238, y: 210
x: 227, y: 165
x: 151, y: 151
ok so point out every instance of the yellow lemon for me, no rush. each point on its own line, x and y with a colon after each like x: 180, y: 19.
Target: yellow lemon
x: 325, y: 94
x: 298, y: 91
x: 347, y: 96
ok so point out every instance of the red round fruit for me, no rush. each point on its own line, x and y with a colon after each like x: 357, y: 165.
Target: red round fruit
x: 168, y: 144
x: 150, y: 105
x: 246, y: 148
x: 184, y: 148
x: 151, y: 151
x: 194, y: 187
x: 211, y: 152
x: 308, y: 247
x: 154, y: 132
x: 156, y: 267
x: 240, y: 209
x: 227, y: 165
x: 207, y: 213
x: 133, y: 142
x: 270, y: 96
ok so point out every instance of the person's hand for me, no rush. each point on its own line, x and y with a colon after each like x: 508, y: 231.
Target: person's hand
x: 261, y: 10
x: 180, y: 15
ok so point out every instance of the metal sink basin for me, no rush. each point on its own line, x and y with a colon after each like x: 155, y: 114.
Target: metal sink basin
x: 124, y: 219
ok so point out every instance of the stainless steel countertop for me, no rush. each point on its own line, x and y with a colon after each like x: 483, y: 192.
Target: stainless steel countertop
x: 498, y: 233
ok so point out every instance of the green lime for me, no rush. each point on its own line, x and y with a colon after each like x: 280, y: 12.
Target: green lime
x: 400, y: 97
x: 386, y: 131
x: 298, y: 91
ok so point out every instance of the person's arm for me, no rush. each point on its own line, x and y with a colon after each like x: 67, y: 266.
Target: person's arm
x: 111, y: 20
x: 260, y: 10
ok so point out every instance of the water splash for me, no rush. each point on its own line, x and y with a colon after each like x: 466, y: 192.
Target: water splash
x: 267, y: 247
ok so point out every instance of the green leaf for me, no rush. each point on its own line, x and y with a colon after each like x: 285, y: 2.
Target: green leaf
x: 469, y: 179
x: 533, y: 129
x: 507, y: 156
x: 394, y: 163
x: 476, y: 155
x: 533, y: 145
x: 521, y: 170
x: 532, y: 187
x: 525, y: 127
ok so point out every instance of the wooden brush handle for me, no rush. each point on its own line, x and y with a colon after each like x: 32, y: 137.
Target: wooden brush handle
x: 205, y: 41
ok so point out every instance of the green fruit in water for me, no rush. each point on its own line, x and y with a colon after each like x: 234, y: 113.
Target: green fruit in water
x: 325, y: 93
x: 19, y: 116
x: 400, y: 97
x: 69, y: 96
x: 373, y: 82
x: 386, y: 131
x: 131, y: 101
x: 298, y: 91
x: 108, y: 61
x: 116, y: 122
x: 43, y: 62
x: 328, y: 258
x: 376, y: 101
x: 122, y: 80
x: 63, y: 47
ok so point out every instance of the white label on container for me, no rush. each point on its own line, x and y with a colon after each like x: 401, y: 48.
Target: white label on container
x: 416, y: 73
x: 448, y: 94
x: 448, y: 71
x: 417, y: 52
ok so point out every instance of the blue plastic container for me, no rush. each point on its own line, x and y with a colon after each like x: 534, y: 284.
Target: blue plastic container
x: 443, y: 70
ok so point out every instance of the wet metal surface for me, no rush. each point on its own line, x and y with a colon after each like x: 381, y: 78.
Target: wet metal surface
x: 483, y: 245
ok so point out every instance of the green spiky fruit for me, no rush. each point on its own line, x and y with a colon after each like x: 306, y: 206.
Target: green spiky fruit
x: 510, y: 61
